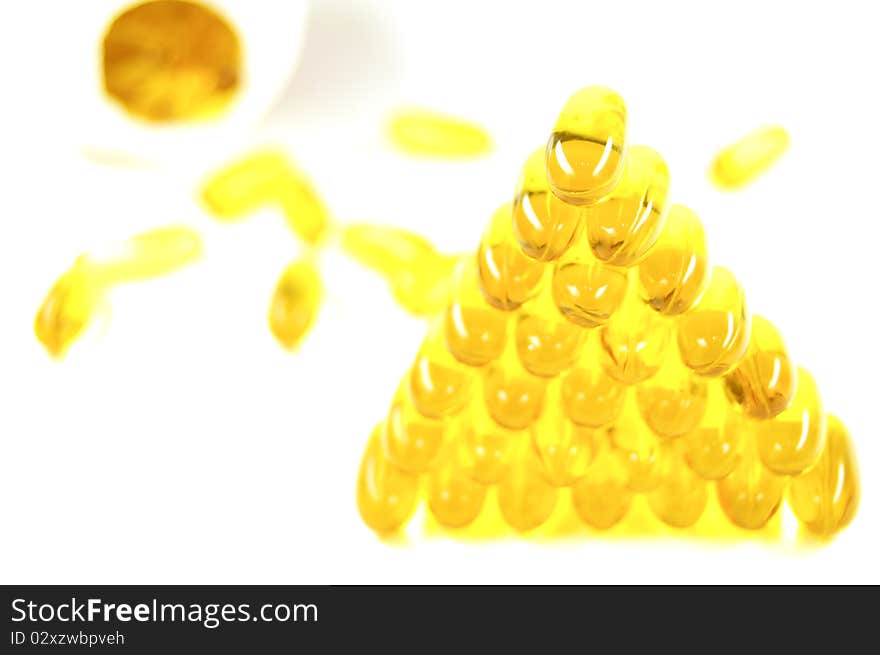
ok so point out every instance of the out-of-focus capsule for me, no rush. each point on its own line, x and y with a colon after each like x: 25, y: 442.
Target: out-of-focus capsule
x: 622, y: 227
x: 751, y: 494
x: 426, y: 289
x: 525, y: 498
x: 566, y: 450
x: 475, y: 332
x: 740, y: 163
x: 68, y: 308
x: 544, y: 225
x: 411, y: 441
x: 439, y: 385
x: 602, y: 496
x: 638, y: 449
x: 147, y: 255
x: 513, y: 396
x: 585, y: 153
x: 590, y: 397
x: 425, y: 133
x: 304, y: 209
x: 485, y: 449
x: 764, y: 382
x: 825, y: 497
x: 680, y: 498
x: 586, y: 291
x: 713, y: 449
x: 634, y: 342
x: 386, y: 496
x: 675, y: 272
x: 673, y: 401
x: 295, y: 302
x: 387, y: 250
x: 507, y: 277
x: 547, y: 344
x: 454, y: 498
x: 246, y: 184
x: 714, y: 335
x: 792, y: 442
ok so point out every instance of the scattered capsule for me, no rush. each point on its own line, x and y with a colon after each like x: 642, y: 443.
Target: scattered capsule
x: 741, y: 163
x: 825, y: 497
x: 764, y: 382
x: 547, y: 344
x: 439, y: 385
x: 425, y: 133
x: 525, y: 498
x: 386, y: 496
x: 486, y: 449
x: 295, y: 302
x: 304, y: 209
x: 622, y: 227
x: 544, y: 225
x: 751, y: 494
x: 454, y: 498
x: 602, y: 497
x: 68, y: 308
x: 681, y: 496
x: 714, y: 448
x: 714, y: 335
x: 793, y: 441
x: 586, y: 291
x: 426, y: 289
x: 590, y: 397
x: 247, y: 184
x: 411, y: 441
x: 585, y: 152
x: 566, y: 450
x: 634, y: 342
x: 475, y: 332
x: 673, y: 401
x: 638, y: 449
x: 507, y: 277
x: 675, y: 272
x: 513, y: 396
x: 147, y: 255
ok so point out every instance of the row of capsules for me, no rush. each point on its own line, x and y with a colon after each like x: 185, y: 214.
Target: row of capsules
x: 591, y: 347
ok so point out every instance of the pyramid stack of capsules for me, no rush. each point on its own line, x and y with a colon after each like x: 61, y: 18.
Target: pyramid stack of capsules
x: 591, y: 354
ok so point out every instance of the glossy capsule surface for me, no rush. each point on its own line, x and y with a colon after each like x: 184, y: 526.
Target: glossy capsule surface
x: 638, y: 449
x: 588, y: 395
x: 507, y: 277
x: 454, y: 498
x: 411, y: 442
x: 634, y: 342
x: 246, y: 184
x: 714, y: 335
x: 565, y: 449
x: 675, y: 272
x: 385, y: 249
x: 546, y: 343
x: 622, y: 227
x: 713, y: 449
x: 427, y: 288
x: 586, y: 149
x: 386, y: 496
x: 485, y: 449
x: 425, y: 133
x: 673, y: 401
x: 475, y: 332
x: 792, y: 442
x: 68, y: 308
x: 149, y: 254
x: 439, y: 385
x: 751, y: 494
x: 526, y: 499
x: 681, y: 496
x: 544, y: 226
x: 295, y: 302
x: 513, y: 396
x: 305, y: 211
x: 825, y: 497
x: 602, y: 496
x: 764, y: 382
x: 742, y: 162
x: 586, y: 291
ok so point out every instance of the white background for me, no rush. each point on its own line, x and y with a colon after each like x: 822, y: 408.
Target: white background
x: 181, y: 445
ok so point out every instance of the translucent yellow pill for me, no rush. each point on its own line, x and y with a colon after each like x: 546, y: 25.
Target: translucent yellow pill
x: 427, y: 288
x: 589, y: 396
x: 638, y: 449
x: 475, y: 331
x: 147, y: 255
x: 825, y: 497
x: 566, y: 450
x: 68, y: 308
x: 675, y: 272
x: 602, y: 496
x: 634, y: 342
x: 305, y: 211
x: 385, y: 249
x: 426, y: 133
x: 439, y: 385
x: 411, y: 442
x: 295, y: 302
x: 507, y: 277
x: 513, y: 396
x: 246, y: 184
x: 586, y: 150
x: 386, y: 496
x: 714, y: 335
x: 525, y: 498
x: 751, y: 494
x: 454, y: 498
x: 740, y: 163
x: 792, y: 442
x: 714, y: 448
x: 764, y: 382
x: 544, y: 225
x: 586, y: 291
x: 546, y: 343
x: 622, y: 227
x: 673, y: 401
x: 681, y: 496
x: 485, y: 449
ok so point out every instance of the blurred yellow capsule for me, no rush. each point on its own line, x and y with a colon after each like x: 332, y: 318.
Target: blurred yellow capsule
x: 454, y: 498
x: 246, y: 184
x: 425, y: 133
x: 386, y: 496
x: 740, y: 163
x: 673, y: 401
x: 68, y: 308
x: 485, y: 449
x: 638, y: 449
x: 713, y: 449
x: 304, y: 209
x: 411, y: 441
x: 751, y: 494
x: 602, y: 496
x: 385, y: 249
x: 681, y: 496
x: 566, y: 450
x: 475, y: 332
x: 525, y: 498
x: 295, y: 302
x: 149, y: 254
x: 634, y: 342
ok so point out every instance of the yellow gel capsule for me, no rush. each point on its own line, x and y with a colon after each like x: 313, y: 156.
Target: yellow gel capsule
x: 454, y: 498
x: 638, y: 449
x: 475, y: 332
x: 675, y: 272
x: 740, y: 163
x: 525, y: 498
x: 247, y: 184
x: 427, y: 288
x: 566, y: 450
x: 149, y: 254
x: 507, y: 277
x: 544, y: 225
x: 714, y: 335
x: 634, y: 342
x: 485, y: 449
x: 622, y: 227
x: 424, y: 133
x: 793, y: 441
x: 751, y: 494
x: 304, y: 209
x: 590, y: 397
x: 713, y: 449
x: 547, y: 344
x: 602, y: 497
x: 439, y: 385
x: 411, y: 441
x: 68, y: 308
x: 585, y: 152
x: 387, y: 250
x: 586, y: 291
x: 386, y: 496
x: 673, y: 401
x: 513, y: 396
x: 295, y: 302
x: 681, y: 496
x: 825, y: 497
x: 764, y: 382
